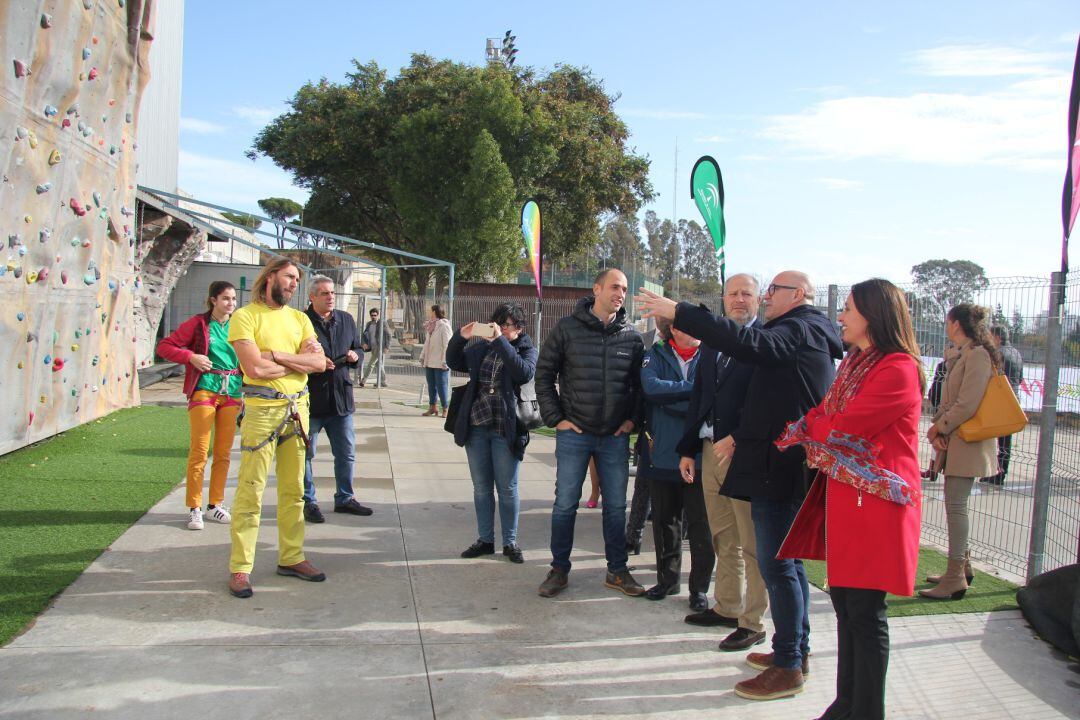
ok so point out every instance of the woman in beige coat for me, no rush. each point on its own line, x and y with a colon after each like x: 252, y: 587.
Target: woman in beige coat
x: 969, y: 370
x: 433, y: 359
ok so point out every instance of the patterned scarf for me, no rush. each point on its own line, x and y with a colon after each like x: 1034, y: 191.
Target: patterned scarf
x: 845, y: 457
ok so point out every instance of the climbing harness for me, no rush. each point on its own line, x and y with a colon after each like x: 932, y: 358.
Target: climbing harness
x: 224, y: 391
x: 292, y: 416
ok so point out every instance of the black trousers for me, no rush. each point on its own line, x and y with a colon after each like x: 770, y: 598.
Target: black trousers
x: 669, y: 501
x: 1004, y: 454
x: 639, y: 510
x: 862, y: 658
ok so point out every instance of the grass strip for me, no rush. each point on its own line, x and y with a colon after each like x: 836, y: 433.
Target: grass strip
x: 66, y: 499
x: 986, y: 594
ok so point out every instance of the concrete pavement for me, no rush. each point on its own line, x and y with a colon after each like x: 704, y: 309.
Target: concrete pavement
x: 403, y: 627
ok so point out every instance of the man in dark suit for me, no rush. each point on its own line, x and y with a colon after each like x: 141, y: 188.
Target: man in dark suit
x: 793, y: 354
x: 715, y: 407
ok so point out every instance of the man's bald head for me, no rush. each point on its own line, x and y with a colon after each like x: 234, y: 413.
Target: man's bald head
x: 788, y: 290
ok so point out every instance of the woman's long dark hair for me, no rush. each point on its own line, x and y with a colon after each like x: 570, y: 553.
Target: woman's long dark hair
x: 888, y: 320
x: 439, y: 312
x: 972, y: 319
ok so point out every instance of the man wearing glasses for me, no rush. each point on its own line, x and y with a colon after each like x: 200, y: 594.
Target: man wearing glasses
x: 793, y: 356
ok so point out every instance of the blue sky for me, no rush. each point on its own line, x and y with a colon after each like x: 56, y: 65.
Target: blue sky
x: 854, y: 139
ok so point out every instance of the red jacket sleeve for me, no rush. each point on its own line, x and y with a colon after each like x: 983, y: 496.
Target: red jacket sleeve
x: 886, y: 394
x: 177, y: 347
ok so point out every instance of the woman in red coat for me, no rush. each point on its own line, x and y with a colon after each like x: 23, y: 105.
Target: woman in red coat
x: 212, y: 382
x: 862, y: 515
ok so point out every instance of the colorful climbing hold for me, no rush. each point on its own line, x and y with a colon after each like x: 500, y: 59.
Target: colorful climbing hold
x: 75, y: 347
x: 58, y: 364
x: 43, y: 188
x: 31, y: 277
x: 93, y: 74
x: 20, y: 316
x: 21, y: 69
x: 73, y: 110
x: 55, y: 157
x: 48, y: 359
x: 21, y: 365
x: 86, y: 53
x: 97, y: 198
x: 43, y: 235
x: 88, y: 278
x: 77, y: 207
x: 127, y: 117
x: 33, y: 141
x: 46, y: 21
x: 86, y: 242
x: 21, y: 133
x: 28, y: 219
x: 65, y: 123
x: 43, y: 274
x: 63, y: 277
x: 50, y: 110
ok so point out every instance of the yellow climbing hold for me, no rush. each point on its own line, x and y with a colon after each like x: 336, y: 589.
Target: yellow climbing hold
x: 75, y: 347
x: 31, y: 277
x: 28, y: 219
x: 33, y: 140
x: 54, y: 157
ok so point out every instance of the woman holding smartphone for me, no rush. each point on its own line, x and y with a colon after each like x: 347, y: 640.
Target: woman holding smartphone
x: 864, y: 441
x: 500, y: 358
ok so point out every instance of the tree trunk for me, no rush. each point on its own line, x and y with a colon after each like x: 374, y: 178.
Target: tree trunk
x: 414, y: 282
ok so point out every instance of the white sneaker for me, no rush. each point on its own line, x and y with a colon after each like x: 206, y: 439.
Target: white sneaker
x: 195, y: 519
x: 219, y: 513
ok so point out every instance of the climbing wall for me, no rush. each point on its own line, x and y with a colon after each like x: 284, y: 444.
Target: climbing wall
x: 73, y: 72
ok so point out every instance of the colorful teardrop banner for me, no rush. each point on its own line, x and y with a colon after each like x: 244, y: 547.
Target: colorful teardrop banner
x: 707, y: 190
x: 530, y: 230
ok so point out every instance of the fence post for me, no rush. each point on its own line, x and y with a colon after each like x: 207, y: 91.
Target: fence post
x: 1044, y: 464
x: 834, y: 293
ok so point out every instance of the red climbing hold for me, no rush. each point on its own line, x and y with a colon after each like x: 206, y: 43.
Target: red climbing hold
x: 21, y: 69
x: 77, y: 207
x: 57, y: 364
x: 93, y: 74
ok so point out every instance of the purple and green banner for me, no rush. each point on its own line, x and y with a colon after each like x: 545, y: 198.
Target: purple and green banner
x: 707, y: 189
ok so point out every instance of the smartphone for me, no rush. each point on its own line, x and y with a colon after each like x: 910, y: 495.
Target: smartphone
x: 484, y: 330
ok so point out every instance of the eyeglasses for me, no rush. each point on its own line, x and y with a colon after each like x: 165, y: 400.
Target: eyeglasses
x: 773, y: 287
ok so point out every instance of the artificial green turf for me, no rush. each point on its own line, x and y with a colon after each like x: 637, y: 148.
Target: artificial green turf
x: 987, y: 593
x: 67, y: 498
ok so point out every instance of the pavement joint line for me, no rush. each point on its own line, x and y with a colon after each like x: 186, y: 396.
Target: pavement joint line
x: 412, y: 584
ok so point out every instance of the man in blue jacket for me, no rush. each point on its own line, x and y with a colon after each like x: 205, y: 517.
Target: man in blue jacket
x: 711, y: 420
x: 332, y: 399
x: 794, y: 356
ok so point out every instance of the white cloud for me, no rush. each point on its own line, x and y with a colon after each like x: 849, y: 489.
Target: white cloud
x: 258, y: 115
x: 1020, y: 126
x: 663, y: 114
x: 711, y: 139
x: 200, y: 127
x: 236, y: 184
x: 839, y: 183
x: 987, y: 61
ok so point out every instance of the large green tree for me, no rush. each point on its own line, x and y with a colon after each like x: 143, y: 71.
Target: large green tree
x: 946, y: 283
x: 439, y: 159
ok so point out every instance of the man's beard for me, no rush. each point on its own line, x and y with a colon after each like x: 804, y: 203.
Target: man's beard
x: 277, y: 294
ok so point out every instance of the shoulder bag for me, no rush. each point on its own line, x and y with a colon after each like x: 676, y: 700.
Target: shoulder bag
x: 999, y: 413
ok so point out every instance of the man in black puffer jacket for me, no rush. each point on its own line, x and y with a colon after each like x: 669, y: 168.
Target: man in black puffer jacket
x: 595, y: 356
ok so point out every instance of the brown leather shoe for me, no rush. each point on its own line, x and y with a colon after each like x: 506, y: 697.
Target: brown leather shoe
x: 303, y: 570
x: 555, y: 582
x: 772, y: 684
x: 764, y: 661
x: 240, y: 585
x: 625, y: 582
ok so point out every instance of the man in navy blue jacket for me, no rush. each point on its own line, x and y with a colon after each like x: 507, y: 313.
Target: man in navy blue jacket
x: 794, y: 356
x: 332, y: 399
x: 713, y: 416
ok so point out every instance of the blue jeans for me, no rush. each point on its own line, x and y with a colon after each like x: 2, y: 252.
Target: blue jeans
x: 785, y: 580
x: 572, y: 453
x: 492, y: 466
x: 342, y: 438
x: 438, y: 380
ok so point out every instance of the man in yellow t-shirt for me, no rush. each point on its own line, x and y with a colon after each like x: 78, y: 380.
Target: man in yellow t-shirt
x: 277, y: 348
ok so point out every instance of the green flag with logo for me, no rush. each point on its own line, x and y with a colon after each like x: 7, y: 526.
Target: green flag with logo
x: 707, y: 189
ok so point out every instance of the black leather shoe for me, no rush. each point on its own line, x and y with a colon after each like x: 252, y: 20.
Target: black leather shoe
x: 514, y: 553
x: 313, y: 514
x: 353, y: 508
x: 742, y: 639
x: 659, y: 592
x: 478, y: 548
x: 710, y: 618
x: 698, y: 601
x: 633, y: 548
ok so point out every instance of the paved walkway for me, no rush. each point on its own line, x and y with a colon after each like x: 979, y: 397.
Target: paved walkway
x: 404, y: 628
